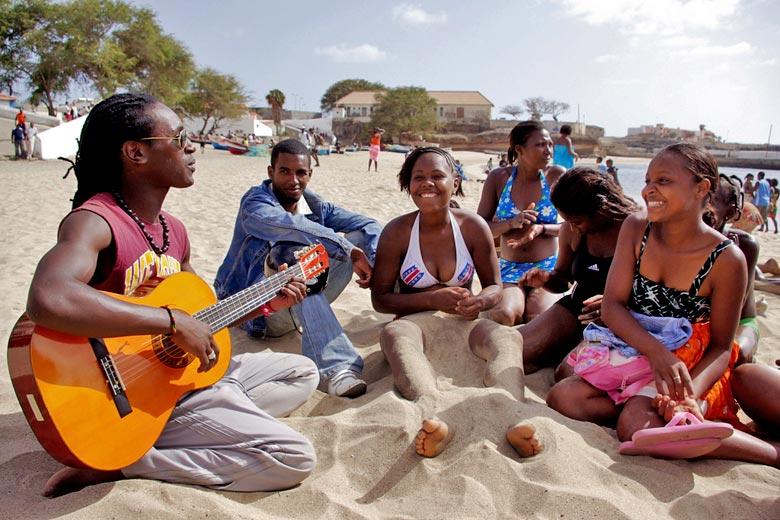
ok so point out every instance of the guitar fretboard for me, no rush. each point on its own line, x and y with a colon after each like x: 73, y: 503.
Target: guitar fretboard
x: 238, y: 305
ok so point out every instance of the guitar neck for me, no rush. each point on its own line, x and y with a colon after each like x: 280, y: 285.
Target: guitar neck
x: 238, y: 305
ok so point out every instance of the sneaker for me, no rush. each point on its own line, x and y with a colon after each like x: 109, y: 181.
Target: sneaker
x: 346, y: 383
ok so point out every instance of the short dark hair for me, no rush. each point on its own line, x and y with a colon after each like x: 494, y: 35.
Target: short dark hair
x: 583, y: 191
x: 405, y: 175
x: 565, y: 130
x: 519, y: 136
x: 291, y: 146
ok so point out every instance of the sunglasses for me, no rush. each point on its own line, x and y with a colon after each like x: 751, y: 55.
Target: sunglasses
x: 180, y: 138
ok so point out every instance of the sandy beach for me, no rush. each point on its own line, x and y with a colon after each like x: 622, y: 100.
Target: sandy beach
x: 367, y: 467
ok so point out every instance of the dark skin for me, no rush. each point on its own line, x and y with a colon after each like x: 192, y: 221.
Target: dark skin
x: 61, y: 299
x: 521, y: 238
x: 290, y: 175
x: 555, y: 332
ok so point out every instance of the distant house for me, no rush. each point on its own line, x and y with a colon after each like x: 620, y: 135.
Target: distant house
x: 452, y: 106
x: 7, y: 101
x: 661, y: 130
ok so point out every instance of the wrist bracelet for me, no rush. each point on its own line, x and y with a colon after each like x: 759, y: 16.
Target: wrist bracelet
x: 266, y: 309
x: 173, y: 320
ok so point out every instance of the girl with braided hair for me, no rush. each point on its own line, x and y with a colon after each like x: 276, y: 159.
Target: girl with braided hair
x: 132, y: 150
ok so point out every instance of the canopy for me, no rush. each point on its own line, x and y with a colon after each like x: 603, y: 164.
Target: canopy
x: 62, y: 140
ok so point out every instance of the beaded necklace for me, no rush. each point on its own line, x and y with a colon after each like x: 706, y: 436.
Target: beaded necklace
x: 131, y: 213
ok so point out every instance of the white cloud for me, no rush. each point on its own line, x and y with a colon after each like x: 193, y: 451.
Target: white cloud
x: 342, y: 53
x: 605, y: 58
x: 665, y: 17
x: 772, y: 62
x: 682, y: 41
x: 624, y: 82
x: 414, y: 15
x: 716, y: 51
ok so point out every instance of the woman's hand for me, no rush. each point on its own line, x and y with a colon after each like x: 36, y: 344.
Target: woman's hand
x: 447, y: 298
x: 591, y: 310
x: 524, y: 217
x: 671, y: 375
x: 469, y: 307
x: 668, y: 407
x: 535, y: 278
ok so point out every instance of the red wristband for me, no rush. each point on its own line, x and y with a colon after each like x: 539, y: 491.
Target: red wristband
x: 172, y: 319
x: 266, y: 309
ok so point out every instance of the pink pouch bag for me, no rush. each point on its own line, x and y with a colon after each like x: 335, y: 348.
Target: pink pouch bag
x: 609, y: 370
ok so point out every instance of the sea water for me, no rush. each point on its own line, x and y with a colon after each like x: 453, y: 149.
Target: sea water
x: 632, y: 177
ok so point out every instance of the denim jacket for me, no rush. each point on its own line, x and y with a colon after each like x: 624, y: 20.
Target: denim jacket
x: 262, y: 221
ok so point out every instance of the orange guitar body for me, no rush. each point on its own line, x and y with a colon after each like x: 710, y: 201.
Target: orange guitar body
x: 66, y: 399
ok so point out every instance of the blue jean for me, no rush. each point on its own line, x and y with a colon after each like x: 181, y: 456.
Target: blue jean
x: 324, y: 341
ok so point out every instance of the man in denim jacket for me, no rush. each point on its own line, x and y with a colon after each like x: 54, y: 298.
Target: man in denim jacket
x: 279, y: 217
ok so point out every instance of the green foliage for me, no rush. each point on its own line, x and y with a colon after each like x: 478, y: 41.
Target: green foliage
x: 276, y: 99
x: 17, y: 19
x: 214, y: 97
x: 346, y: 86
x: 406, y: 112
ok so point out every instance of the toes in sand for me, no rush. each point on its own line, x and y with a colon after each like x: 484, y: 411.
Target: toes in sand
x: 432, y: 438
x: 523, y: 439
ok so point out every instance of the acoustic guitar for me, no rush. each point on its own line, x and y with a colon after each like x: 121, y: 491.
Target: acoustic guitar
x: 102, y: 403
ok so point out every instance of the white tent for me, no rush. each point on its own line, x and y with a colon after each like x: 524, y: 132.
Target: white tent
x: 261, y: 129
x: 61, y: 141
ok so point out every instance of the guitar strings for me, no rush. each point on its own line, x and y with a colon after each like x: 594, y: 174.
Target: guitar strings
x: 218, y: 316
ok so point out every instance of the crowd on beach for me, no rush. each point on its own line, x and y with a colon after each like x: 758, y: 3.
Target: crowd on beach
x: 634, y: 309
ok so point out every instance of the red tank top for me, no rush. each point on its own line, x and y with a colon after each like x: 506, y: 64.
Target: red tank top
x: 137, y: 268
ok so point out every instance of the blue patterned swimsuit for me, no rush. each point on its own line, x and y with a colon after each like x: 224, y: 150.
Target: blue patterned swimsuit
x: 511, y: 272
x: 655, y: 299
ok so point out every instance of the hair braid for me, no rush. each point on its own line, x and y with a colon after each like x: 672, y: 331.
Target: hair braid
x: 111, y: 123
x: 583, y: 191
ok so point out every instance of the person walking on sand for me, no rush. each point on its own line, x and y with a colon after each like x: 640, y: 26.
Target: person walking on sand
x: 426, y: 261
x: 279, y: 217
x: 762, y: 193
x: 563, y: 148
x: 374, y: 148
x: 515, y: 203
x: 32, y: 133
x: 133, y: 149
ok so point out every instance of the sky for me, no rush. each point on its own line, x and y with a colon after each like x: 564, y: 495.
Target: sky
x: 617, y: 63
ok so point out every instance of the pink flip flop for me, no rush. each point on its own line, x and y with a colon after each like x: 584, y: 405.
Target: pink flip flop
x: 678, y: 441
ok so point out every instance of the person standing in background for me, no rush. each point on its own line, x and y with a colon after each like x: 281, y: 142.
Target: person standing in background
x: 32, y: 133
x: 563, y: 149
x: 374, y: 148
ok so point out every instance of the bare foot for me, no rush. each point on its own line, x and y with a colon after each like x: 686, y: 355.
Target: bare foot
x: 523, y: 439
x: 432, y: 438
x: 770, y: 267
x: 68, y: 480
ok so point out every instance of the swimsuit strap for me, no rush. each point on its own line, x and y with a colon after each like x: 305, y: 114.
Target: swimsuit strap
x: 707, y: 267
x: 642, y: 247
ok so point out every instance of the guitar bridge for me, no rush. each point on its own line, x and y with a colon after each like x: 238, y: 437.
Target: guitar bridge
x: 113, y: 379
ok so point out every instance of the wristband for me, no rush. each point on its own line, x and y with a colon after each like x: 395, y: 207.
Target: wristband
x: 266, y: 309
x: 173, y: 320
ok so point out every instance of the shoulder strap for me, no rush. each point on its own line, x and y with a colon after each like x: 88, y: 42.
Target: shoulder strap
x: 707, y: 267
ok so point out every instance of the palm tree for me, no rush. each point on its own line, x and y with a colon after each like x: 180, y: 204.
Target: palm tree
x: 275, y: 99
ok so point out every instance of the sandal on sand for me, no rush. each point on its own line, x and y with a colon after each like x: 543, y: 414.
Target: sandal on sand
x: 688, y: 440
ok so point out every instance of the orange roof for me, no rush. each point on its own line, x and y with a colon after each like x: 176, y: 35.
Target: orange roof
x: 442, y: 97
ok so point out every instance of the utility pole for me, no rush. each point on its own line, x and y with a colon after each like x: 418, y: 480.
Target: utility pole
x: 768, y: 139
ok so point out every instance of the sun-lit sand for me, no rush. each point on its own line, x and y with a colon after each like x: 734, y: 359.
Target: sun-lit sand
x: 367, y: 464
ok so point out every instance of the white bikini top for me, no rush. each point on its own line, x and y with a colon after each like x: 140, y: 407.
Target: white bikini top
x: 413, y: 272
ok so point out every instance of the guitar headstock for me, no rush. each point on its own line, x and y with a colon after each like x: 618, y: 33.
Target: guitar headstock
x: 313, y: 262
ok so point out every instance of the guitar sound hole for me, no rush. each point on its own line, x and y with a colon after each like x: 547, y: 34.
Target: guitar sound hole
x: 170, y: 354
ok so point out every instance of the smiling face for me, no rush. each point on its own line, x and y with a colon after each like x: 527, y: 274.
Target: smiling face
x: 670, y: 188
x: 433, y: 181
x: 289, y: 176
x: 537, y: 151
x: 170, y: 162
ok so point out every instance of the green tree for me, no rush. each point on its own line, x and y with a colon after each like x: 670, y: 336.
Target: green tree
x: 406, y: 111
x: 341, y: 88
x: 162, y: 65
x: 276, y: 99
x: 214, y: 97
x: 17, y: 20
